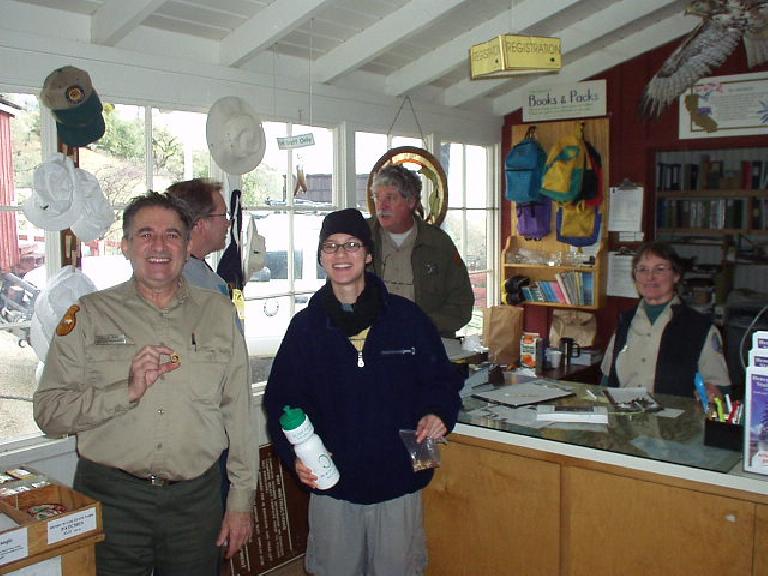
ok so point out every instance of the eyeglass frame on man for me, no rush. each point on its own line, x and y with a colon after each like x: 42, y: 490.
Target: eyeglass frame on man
x: 222, y: 214
x: 350, y: 246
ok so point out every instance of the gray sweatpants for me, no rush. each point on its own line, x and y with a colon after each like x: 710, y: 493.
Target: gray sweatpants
x: 384, y: 539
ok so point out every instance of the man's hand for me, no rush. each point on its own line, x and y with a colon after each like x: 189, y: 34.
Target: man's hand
x: 236, y: 529
x: 430, y: 426
x: 305, y: 474
x: 146, y: 368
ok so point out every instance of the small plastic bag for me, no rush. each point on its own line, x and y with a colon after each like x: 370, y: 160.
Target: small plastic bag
x: 424, y: 455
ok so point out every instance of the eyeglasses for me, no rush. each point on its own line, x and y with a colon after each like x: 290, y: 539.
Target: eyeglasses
x: 333, y: 247
x: 221, y: 214
x: 390, y: 197
x: 645, y: 271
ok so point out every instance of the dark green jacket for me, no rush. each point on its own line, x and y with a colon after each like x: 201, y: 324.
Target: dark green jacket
x: 440, y: 277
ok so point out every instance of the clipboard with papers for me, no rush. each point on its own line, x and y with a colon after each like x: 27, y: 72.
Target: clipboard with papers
x: 524, y: 394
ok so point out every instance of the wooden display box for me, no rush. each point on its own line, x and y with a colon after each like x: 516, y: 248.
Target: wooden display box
x: 81, y: 521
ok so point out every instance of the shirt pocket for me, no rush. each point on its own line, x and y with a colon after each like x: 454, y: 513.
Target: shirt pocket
x: 204, y: 371
x: 108, y: 363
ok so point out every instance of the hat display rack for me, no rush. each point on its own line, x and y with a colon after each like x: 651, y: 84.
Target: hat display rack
x: 437, y: 199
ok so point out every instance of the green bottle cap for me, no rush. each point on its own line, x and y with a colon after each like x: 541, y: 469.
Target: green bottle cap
x: 291, y: 418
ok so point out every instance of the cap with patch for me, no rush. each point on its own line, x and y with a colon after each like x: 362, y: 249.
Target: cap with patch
x: 66, y: 87
x: 83, y: 124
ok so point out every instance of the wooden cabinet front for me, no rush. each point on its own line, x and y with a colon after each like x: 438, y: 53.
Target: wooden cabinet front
x: 487, y: 512
x: 619, y: 525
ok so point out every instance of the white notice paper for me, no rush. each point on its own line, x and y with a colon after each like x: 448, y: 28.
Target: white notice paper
x: 625, y: 210
x: 50, y: 567
x: 620, y: 281
x: 71, y: 525
x: 13, y: 546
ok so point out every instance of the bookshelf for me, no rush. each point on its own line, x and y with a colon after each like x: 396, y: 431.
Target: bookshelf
x: 712, y: 192
x: 559, y: 283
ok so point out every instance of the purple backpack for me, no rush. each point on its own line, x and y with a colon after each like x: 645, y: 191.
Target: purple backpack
x: 534, y: 219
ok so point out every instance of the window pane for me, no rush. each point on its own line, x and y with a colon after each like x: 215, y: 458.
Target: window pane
x: 179, y: 149
x: 452, y: 160
x: 369, y: 147
x: 267, y: 183
x: 118, y: 160
x: 477, y: 177
x: 22, y: 250
x: 313, y: 167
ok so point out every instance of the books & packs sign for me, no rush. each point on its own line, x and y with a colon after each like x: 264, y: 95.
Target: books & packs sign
x: 575, y: 100
x: 720, y: 106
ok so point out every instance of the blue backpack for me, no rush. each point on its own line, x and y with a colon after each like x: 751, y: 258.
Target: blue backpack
x: 534, y: 219
x: 524, y: 167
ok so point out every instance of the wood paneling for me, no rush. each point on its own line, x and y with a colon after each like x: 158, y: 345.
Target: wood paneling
x: 630, y: 527
x: 488, y: 513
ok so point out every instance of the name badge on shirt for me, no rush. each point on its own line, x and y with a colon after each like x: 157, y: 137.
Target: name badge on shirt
x: 102, y: 339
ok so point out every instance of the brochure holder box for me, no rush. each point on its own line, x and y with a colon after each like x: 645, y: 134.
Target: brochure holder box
x: 80, y: 519
x: 756, y: 421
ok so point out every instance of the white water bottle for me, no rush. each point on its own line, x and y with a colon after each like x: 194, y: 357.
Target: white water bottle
x: 308, y: 446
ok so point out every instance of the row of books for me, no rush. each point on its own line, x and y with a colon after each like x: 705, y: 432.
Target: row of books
x: 575, y: 288
x: 711, y: 175
x: 708, y: 213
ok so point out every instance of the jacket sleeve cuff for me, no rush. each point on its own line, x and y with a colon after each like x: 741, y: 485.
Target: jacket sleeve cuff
x: 240, y: 500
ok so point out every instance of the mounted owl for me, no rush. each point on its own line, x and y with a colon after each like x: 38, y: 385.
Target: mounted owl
x: 724, y: 23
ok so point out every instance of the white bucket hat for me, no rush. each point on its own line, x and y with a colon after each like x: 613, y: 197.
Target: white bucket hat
x: 97, y: 215
x: 54, y: 203
x: 235, y: 135
x: 63, y: 290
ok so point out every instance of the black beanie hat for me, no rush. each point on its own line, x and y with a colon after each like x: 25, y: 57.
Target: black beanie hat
x: 348, y: 221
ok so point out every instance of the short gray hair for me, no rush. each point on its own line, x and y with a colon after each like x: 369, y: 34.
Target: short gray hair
x: 401, y: 179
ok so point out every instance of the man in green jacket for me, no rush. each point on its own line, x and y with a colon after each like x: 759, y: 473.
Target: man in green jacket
x: 415, y: 259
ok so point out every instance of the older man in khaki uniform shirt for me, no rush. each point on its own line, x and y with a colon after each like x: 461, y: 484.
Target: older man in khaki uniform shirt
x: 152, y: 375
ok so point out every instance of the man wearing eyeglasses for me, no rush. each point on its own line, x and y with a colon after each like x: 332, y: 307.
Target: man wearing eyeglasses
x: 210, y: 223
x: 362, y: 364
x: 415, y: 259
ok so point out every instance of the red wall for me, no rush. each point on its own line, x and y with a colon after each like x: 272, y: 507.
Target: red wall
x: 634, y: 142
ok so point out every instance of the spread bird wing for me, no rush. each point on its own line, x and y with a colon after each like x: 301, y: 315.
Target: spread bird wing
x: 705, y: 48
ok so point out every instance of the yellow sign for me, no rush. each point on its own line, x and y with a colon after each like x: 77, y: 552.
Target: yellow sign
x: 508, y: 55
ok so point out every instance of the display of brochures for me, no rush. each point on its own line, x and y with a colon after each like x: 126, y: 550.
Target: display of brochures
x: 758, y: 358
x: 572, y: 413
x: 756, y: 421
x: 632, y: 399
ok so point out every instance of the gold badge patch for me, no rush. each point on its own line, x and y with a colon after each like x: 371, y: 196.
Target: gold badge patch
x: 68, y: 322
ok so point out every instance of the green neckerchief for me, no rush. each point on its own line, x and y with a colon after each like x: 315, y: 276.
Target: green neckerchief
x: 653, y: 311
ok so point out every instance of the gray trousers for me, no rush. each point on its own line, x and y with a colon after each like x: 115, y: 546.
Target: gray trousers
x: 171, y: 529
x: 384, y: 539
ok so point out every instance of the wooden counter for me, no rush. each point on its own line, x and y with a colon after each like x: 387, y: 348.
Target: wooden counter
x: 505, y: 503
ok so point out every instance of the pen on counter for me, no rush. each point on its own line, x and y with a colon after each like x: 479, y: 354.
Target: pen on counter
x: 698, y: 382
x: 591, y: 394
x: 719, y: 407
x: 728, y: 403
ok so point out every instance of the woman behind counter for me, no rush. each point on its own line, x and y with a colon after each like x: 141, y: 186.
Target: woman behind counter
x: 661, y: 343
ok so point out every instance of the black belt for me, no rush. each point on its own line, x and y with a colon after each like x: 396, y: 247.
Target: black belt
x: 152, y: 479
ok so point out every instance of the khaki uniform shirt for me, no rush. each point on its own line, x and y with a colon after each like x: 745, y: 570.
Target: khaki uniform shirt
x: 178, y: 429
x: 396, y: 267
x: 636, y: 363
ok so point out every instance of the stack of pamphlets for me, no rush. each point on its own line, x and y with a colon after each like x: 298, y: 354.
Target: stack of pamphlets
x: 756, y: 401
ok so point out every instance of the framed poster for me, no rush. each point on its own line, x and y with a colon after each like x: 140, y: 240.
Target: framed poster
x: 725, y: 106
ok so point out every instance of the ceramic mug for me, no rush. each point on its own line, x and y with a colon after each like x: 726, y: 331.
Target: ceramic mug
x: 570, y: 349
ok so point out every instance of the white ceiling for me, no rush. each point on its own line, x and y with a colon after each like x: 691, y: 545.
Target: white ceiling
x: 398, y: 47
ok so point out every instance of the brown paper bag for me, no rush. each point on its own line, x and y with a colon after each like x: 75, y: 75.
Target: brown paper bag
x: 502, y: 329
x: 581, y: 326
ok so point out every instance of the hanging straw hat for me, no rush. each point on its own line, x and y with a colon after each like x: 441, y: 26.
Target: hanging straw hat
x: 97, y: 215
x: 235, y: 135
x: 63, y: 290
x: 55, y: 203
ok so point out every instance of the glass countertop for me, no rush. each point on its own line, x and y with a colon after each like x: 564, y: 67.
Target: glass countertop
x: 655, y: 435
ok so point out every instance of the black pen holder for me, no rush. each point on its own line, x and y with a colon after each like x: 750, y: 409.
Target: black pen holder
x: 723, y: 435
